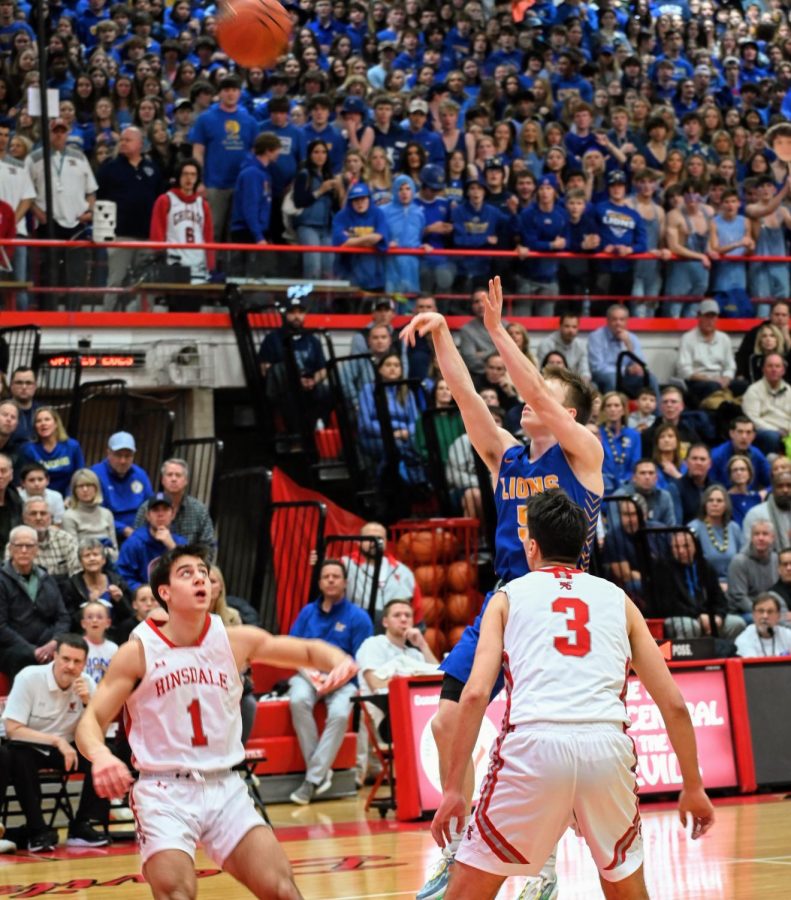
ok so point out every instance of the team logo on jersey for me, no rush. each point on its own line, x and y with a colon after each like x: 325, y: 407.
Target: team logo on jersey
x: 136, y: 487
x: 232, y: 127
x: 339, y: 626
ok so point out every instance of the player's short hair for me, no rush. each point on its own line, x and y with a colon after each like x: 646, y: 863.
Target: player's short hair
x: 70, y: 639
x: 578, y: 391
x: 558, y: 525
x: 160, y: 571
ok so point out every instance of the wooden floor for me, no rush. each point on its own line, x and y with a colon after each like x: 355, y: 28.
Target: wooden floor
x: 339, y: 853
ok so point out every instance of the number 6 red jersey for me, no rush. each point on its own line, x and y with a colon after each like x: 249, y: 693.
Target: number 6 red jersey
x: 184, y: 714
x: 566, y: 648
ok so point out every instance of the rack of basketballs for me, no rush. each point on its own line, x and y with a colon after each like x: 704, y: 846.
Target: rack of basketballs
x: 443, y: 554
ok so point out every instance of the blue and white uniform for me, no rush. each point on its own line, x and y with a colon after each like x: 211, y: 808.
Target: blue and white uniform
x: 518, y: 479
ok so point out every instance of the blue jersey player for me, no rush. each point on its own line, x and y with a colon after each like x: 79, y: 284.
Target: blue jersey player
x: 562, y: 453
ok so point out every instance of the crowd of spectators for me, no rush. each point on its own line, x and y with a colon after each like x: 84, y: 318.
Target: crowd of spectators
x: 580, y: 127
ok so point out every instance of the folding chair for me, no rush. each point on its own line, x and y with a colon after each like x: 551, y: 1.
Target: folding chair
x: 382, y: 750
x: 247, y: 770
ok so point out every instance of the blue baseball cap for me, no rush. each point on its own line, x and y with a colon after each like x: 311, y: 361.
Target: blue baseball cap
x: 160, y: 499
x: 358, y: 191
x: 432, y: 177
x: 353, y: 105
x: 548, y: 179
x: 121, y: 440
x: 616, y: 177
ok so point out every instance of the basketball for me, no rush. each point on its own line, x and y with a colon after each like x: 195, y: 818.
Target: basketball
x: 447, y: 545
x: 454, y: 635
x: 254, y: 32
x: 437, y: 641
x: 416, y: 547
x: 430, y: 579
x: 461, y: 576
x: 458, y: 609
x: 433, y: 611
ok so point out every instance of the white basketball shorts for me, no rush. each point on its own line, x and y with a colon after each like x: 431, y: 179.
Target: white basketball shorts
x: 178, y: 812
x: 544, y: 777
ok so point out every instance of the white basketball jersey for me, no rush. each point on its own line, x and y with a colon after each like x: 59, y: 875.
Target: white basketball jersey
x: 567, y: 650
x: 185, y: 225
x: 184, y: 714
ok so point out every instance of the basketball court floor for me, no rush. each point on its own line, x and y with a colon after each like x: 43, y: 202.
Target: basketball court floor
x: 341, y: 853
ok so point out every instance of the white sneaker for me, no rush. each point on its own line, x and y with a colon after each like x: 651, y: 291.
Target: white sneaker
x: 325, y: 785
x: 540, y: 888
x: 121, y: 814
x: 437, y: 884
x: 6, y: 846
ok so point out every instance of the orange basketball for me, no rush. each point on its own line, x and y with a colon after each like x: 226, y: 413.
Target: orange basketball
x: 430, y: 579
x: 458, y: 609
x: 454, y: 635
x: 416, y: 547
x: 437, y: 641
x: 461, y: 576
x: 447, y: 545
x: 254, y: 32
x: 433, y: 610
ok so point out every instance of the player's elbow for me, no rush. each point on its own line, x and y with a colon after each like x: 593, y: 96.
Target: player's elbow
x: 474, y: 695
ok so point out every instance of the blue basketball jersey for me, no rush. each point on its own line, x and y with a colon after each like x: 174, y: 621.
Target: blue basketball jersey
x: 517, y: 480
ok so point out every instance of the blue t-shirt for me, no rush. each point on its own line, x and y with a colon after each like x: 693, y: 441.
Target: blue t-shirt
x: 227, y: 137
x: 61, y: 462
x: 344, y: 626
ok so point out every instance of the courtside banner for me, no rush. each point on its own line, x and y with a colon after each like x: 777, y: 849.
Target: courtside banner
x: 706, y: 696
x: 423, y: 702
x: 703, y: 687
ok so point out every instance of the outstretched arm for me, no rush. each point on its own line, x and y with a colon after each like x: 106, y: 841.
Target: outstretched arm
x: 582, y: 448
x: 250, y: 644
x: 652, y: 671
x: 489, y: 440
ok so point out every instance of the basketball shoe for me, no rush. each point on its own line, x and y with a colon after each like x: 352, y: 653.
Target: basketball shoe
x: 541, y: 888
x: 437, y: 884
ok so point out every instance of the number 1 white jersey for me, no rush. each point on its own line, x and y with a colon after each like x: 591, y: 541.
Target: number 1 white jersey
x: 566, y: 648
x: 185, y: 714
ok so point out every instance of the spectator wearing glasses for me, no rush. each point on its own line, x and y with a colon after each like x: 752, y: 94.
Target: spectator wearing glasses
x: 32, y: 612
x: 57, y: 550
x: 191, y: 518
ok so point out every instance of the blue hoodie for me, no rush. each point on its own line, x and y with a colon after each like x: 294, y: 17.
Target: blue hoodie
x: 138, y: 551
x: 366, y: 270
x: 252, y: 199
x: 406, y: 223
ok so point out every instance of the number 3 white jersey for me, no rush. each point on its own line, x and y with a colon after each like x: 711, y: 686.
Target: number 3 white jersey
x: 566, y: 646
x: 184, y: 714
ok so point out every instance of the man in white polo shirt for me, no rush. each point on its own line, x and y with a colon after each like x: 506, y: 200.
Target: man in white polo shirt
x: 401, y: 650
x: 41, y: 716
